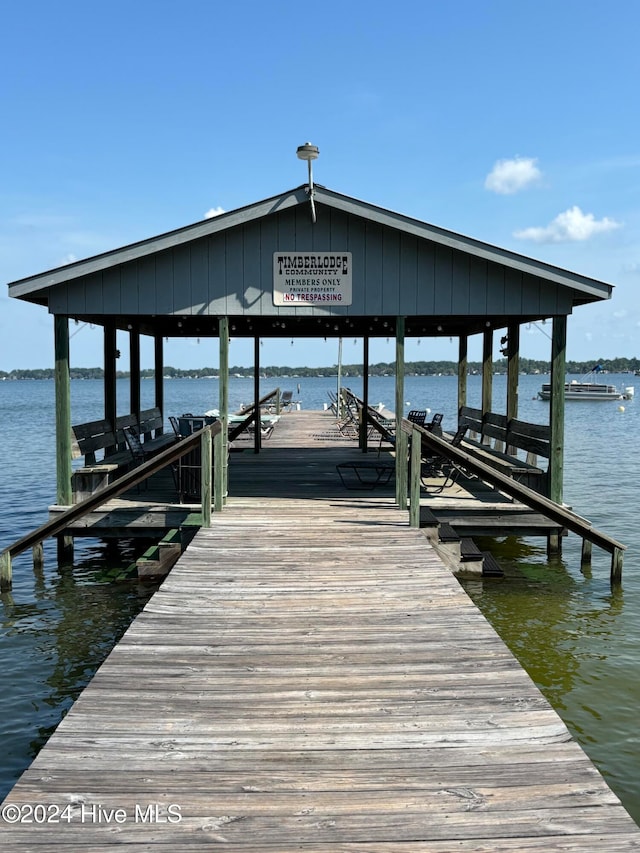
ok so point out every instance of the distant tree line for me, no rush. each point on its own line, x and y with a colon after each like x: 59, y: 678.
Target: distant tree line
x: 412, y: 368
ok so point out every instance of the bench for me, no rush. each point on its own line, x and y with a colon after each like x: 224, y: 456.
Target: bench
x: 150, y: 428
x: 105, y: 451
x: 88, y: 440
x: 498, y: 441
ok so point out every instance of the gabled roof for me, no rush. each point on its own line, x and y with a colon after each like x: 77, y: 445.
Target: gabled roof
x: 585, y: 289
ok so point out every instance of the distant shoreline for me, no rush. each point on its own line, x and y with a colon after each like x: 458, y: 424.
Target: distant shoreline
x: 412, y: 368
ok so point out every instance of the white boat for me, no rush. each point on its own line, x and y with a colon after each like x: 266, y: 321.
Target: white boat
x: 588, y: 391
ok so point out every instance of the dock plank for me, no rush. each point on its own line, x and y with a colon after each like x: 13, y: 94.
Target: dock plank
x: 311, y: 677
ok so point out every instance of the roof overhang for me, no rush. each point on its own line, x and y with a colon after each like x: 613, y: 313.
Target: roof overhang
x: 578, y: 289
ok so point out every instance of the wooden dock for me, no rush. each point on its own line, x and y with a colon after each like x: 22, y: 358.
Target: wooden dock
x: 299, y: 461
x: 310, y: 677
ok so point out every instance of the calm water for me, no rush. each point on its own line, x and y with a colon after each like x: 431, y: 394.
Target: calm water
x: 578, y: 640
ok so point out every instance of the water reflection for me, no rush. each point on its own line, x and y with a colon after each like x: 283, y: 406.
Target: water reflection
x: 544, y: 616
x: 566, y: 627
x: 57, y: 626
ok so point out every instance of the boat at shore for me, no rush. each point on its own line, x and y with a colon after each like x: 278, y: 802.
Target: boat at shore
x: 588, y: 390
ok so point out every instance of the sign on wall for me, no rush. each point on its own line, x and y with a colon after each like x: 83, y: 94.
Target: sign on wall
x: 312, y: 278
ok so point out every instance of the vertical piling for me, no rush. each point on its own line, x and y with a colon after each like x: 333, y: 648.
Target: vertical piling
x: 205, y: 476
x: 6, y: 571
x: 616, y: 566
x: 223, y: 460
x: 463, y: 360
x: 401, y: 438
x: 487, y: 375
x: 414, y: 490
x: 63, y: 411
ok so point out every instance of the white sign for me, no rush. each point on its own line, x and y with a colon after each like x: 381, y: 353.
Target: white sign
x: 312, y: 278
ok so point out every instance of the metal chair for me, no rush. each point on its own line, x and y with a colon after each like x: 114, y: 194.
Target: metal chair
x: 286, y: 400
x: 435, y: 425
x: 136, y: 449
x: 418, y: 416
x: 438, y: 465
x: 140, y: 455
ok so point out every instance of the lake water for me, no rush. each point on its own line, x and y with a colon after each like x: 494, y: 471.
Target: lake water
x: 579, y: 641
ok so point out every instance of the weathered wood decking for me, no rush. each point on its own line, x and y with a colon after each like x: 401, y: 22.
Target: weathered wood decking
x: 309, y: 677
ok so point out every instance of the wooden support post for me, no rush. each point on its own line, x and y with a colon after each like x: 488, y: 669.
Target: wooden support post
x: 256, y: 395
x: 414, y: 491
x: 463, y: 347
x: 63, y: 411
x: 364, y: 426
x: 218, y: 473
x: 158, y: 372
x: 223, y: 405
x: 513, y: 374
x: 110, y: 404
x: 339, y: 378
x: 401, y: 438
x: 38, y: 557
x: 205, y: 476
x: 487, y: 375
x: 6, y: 571
x: 134, y: 373
x: 556, y: 408
x: 616, y: 566
x: 554, y: 544
x: 65, y: 550
x: 587, y: 548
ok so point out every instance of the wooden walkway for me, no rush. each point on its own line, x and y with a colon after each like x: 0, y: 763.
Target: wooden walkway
x: 309, y: 677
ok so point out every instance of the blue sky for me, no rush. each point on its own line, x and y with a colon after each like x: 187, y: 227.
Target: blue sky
x: 512, y: 122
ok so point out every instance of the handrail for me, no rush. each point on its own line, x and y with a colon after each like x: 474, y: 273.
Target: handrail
x: 244, y: 410
x: 132, y: 478
x: 370, y: 415
x: 563, y: 516
x: 252, y: 411
x: 239, y: 428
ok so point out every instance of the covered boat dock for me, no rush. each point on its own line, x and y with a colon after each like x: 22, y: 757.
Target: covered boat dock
x: 310, y: 675
x: 310, y: 263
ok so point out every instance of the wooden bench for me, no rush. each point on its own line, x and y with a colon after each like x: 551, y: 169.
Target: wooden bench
x: 88, y: 440
x: 105, y: 451
x: 150, y: 428
x: 498, y: 440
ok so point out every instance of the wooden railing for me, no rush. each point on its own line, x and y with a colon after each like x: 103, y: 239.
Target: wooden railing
x: 369, y: 419
x: 57, y: 525
x: 272, y: 395
x: 430, y: 444
x: 532, y: 438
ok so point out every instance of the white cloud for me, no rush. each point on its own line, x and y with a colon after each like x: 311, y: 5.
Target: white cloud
x: 511, y: 176
x: 213, y: 211
x: 571, y: 226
